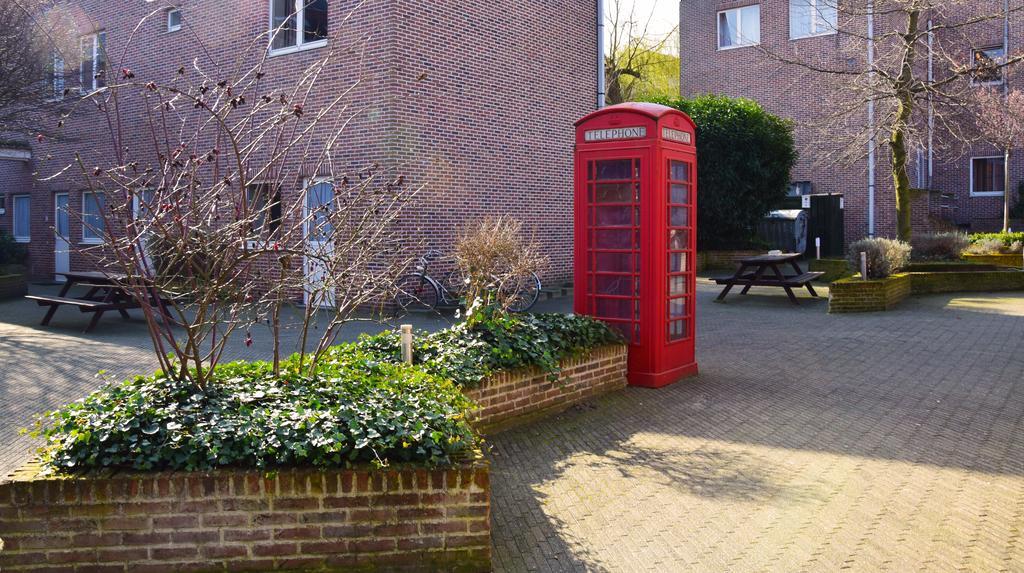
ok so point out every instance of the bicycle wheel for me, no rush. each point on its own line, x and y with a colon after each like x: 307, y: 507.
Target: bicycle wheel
x: 417, y: 292
x: 523, y: 293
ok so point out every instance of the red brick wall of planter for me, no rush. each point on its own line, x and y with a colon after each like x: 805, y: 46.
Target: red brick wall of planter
x: 515, y: 397
x: 403, y: 519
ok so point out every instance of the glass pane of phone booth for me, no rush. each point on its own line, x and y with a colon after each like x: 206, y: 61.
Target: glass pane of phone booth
x: 613, y: 223
x: 680, y: 252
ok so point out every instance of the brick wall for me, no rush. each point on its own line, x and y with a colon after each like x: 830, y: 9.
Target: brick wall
x: 976, y: 281
x: 402, y: 519
x: 805, y: 96
x: 856, y: 295
x: 473, y: 102
x: 518, y: 396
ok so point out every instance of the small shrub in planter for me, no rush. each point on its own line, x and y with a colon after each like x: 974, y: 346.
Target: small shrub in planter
x: 885, y: 256
x: 471, y: 351
x: 996, y: 243
x: 939, y: 246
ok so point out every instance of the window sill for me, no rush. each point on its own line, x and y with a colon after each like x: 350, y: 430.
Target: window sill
x: 727, y: 48
x: 818, y: 35
x: 22, y: 240
x: 988, y: 194
x: 91, y: 242
x: 295, y: 49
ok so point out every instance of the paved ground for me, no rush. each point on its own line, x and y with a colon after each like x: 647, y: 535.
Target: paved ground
x: 889, y: 441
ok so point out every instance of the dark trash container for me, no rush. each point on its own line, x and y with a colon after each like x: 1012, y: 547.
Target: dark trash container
x: 785, y: 230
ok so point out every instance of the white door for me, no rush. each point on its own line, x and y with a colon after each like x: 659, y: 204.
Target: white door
x: 319, y: 243
x: 62, y: 236
x: 141, y: 209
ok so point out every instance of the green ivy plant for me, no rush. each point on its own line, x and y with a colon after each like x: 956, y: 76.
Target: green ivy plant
x: 355, y: 409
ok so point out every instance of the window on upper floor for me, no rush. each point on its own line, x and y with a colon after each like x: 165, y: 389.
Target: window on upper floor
x: 987, y: 176
x: 173, y: 20
x: 812, y: 18
x: 93, y: 67
x: 987, y: 62
x: 57, y: 77
x: 739, y: 27
x: 297, y: 24
x: 22, y: 223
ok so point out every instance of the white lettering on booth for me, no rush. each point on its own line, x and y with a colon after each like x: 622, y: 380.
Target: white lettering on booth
x: 615, y: 133
x: 676, y: 135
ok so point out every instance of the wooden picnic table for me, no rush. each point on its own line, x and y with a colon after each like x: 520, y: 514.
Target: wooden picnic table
x: 106, y: 292
x: 754, y: 271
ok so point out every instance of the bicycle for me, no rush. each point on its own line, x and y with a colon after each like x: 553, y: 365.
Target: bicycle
x: 418, y: 291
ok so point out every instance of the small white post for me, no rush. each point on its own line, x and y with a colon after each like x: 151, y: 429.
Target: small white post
x: 407, y: 343
x: 817, y: 245
x: 864, y: 266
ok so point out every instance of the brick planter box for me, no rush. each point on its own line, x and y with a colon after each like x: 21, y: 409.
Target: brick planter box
x: 969, y: 281
x: 856, y: 295
x: 519, y: 396
x: 834, y: 269
x: 13, y: 281
x: 1016, y: 261
x: 402, y: 519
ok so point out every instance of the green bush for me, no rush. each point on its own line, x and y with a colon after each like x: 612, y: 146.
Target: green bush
x: 11, y: 251
x: 744, y: 159
x: 996, y: 243
x: 355, y: 409
x: 885, y: 256
x: 468, y: 353
x: 939, y: 246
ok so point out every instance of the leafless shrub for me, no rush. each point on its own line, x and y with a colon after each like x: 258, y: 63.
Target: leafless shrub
x: 939, y: 246
x: 885, y: 256
x: 223, y: 196
x: 495, y: 258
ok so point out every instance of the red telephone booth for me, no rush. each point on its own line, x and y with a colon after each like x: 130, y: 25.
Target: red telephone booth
x: 636, y: 189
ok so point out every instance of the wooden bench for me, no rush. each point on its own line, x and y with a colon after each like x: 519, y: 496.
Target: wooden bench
x: 98, y: 307
x: 768, y: 274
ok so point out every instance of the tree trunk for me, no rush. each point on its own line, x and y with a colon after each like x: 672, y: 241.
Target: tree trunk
x: 1006, y: 190
x: 904, y: 88
x: 901, y: 183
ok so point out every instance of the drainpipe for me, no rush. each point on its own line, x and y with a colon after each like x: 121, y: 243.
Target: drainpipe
x: 871, y: 121
x: 600, y: 54
x: 931, y: 105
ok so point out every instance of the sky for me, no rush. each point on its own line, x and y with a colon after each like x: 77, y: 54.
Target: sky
x: 666, y: 13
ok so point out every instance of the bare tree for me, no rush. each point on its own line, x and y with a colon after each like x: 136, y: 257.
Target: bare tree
x: 635, y: 54
x: 221, y: 199
x: 32, y: 56
x: 907, y: 61
x: 1000, y: 122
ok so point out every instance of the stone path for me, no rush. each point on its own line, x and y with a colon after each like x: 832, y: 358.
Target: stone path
x: 809, y: 442
x: 882, y: 442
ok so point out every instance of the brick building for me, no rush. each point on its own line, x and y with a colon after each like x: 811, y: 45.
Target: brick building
x: 738, y: 48
x: 473, y: 101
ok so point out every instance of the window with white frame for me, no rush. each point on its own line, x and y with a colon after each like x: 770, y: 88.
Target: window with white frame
x: 22, y: 227
x: 799, y: 189
x: 812, y: 18
x: 173, y: 20
x: 93, y: 68
x: 987, y: 176
x: 57, y: 78
x: 94, y: 226
x: 297, y: 24
x: 987, y: 65
x: 739, y: 27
